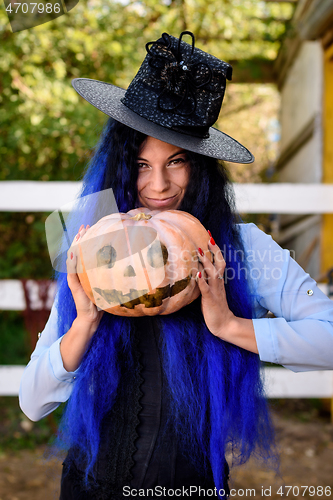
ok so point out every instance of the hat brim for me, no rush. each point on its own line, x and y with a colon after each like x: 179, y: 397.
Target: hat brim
x: 107, y: 98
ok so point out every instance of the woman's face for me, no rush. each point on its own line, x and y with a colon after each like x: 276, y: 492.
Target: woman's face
x: 164, y: 173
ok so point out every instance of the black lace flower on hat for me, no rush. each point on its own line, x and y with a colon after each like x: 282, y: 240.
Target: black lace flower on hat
x: 178, y: 77
x: 178, y: 86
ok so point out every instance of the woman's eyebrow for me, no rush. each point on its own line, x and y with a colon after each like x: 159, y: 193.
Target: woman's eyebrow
x: 181, y: 151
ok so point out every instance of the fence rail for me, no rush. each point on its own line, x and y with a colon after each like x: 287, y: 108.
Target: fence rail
x: 279, y: 382
x: 282, y: 198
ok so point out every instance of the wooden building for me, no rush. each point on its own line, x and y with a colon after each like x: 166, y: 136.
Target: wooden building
x: 304, y: 68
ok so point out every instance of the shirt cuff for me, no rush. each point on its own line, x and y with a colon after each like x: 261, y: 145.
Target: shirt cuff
x: 57, y: 365
x: 265, y: 340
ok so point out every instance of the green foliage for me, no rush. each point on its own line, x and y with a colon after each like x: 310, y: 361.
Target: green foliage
x: 23, y: 249
x: 46, y: 127
x: 14, y: 340
x: 48, y: 131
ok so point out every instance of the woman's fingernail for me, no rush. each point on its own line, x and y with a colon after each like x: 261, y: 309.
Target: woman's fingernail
x: 81, y: 227
x: 87, y: 226
x: 210, y: 234
x: 212, y: 242
x: 71, y: 255
x: 200, y: 252
x: 199, y: 274
x: 77, y: 237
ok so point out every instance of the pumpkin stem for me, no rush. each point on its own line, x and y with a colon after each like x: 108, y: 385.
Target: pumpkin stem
x: 141, y: 216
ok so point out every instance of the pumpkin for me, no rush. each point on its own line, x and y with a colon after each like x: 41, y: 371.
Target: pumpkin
x: 142, y: 262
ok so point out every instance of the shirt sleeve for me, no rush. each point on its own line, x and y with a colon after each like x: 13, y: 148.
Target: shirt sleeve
x: 300, y: 337
x: 45, y: 382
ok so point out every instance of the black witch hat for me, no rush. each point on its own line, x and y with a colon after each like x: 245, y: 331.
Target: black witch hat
x: 176, y: 97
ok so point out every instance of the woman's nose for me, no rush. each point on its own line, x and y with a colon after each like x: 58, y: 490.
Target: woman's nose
x: 159, y: 180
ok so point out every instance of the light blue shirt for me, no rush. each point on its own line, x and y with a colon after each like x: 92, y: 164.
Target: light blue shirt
x: 300, y: 337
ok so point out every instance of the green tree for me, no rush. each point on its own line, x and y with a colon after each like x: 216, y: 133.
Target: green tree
x: 48, y: 131
x: 46, y: 127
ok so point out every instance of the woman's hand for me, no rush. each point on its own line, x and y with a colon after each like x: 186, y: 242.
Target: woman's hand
x: 76, y: 341
x: 86, y: 310
x: 220, y: 320
x: 210, y: 280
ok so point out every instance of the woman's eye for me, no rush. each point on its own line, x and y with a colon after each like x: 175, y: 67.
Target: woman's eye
x: 177, y: 161
x: 142, y: 166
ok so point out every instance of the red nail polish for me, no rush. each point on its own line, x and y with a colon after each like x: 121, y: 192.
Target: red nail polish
x: 200, y: 252
x: 71, y: 255
x: 199, y: 274
x: 212, y: 241
x: 210, y: 234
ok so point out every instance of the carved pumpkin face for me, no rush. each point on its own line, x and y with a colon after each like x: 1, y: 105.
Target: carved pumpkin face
x: 143, y: 262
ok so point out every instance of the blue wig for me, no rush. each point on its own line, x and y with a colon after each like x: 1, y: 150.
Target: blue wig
x: 216, y: 392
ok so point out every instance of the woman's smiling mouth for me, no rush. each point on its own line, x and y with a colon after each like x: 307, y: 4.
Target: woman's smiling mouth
x: 161, y: 202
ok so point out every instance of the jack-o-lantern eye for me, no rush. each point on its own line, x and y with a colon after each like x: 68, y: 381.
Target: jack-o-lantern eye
x: 106, y: 256
x: 155, y: 257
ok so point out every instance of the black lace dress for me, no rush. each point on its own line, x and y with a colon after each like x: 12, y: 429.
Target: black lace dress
x: 139, y: 448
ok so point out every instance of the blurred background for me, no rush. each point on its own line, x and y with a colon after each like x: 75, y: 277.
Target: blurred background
x: 279, y: 105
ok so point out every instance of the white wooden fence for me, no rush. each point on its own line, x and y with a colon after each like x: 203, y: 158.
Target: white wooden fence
x: 282, y: 198
x: 250, y: 198
x: 280, y: 382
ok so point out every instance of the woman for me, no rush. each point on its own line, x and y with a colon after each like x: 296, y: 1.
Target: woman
x: 157, y: 402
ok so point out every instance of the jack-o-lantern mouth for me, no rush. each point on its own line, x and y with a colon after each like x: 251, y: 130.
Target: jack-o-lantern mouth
x: 136, y: 297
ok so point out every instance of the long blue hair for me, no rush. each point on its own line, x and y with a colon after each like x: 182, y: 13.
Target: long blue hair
x: 216, y: 391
